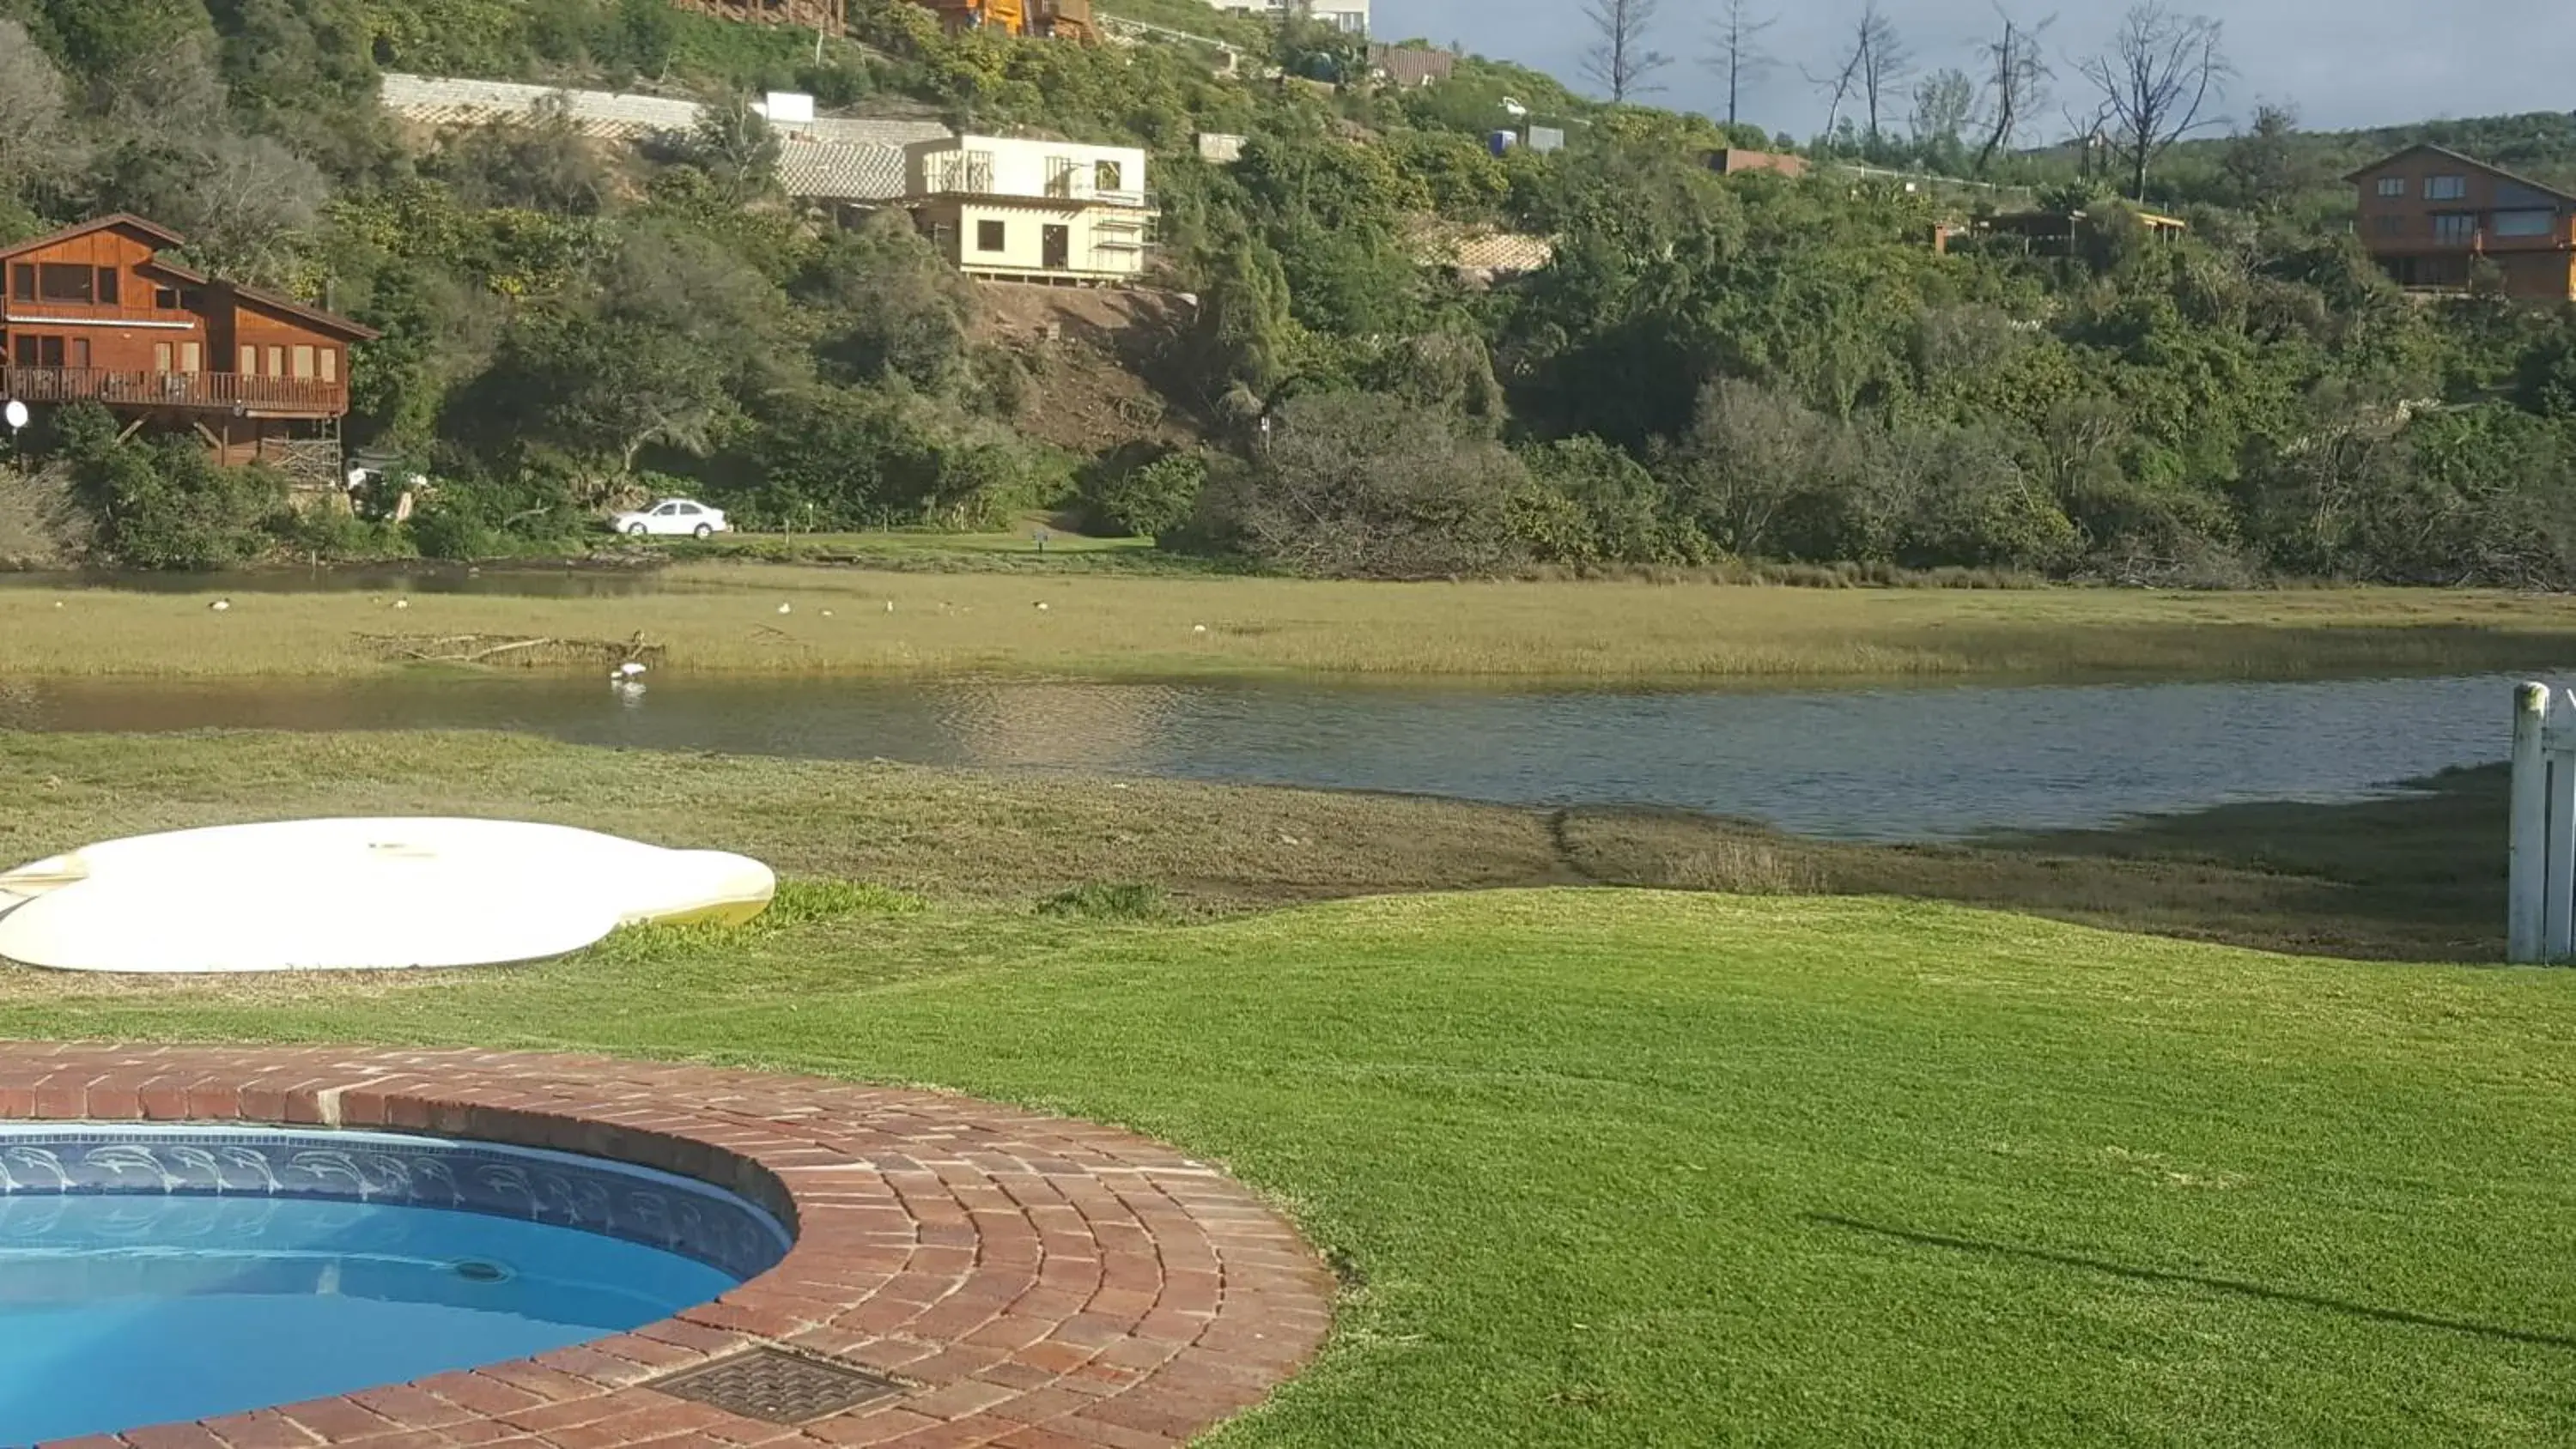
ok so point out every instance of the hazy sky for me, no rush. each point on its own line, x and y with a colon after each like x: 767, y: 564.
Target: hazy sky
x: 2342, y: 63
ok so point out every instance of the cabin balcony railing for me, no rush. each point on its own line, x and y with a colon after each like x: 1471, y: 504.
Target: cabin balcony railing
x: 209, y: 391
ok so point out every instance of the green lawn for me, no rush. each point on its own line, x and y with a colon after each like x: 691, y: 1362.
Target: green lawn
x: 1625, y: 1167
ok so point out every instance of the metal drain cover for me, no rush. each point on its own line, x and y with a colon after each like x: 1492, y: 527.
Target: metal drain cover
x: 775, y: 1385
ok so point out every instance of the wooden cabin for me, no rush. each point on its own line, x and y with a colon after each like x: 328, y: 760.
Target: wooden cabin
x: 95, y: 314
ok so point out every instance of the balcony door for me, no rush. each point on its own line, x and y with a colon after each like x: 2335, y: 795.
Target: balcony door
x: 1055, y: 247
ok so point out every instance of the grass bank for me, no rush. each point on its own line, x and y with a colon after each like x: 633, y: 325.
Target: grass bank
x: 1604, y: 1167
x: 2416, y: 877
x: 714, y: 618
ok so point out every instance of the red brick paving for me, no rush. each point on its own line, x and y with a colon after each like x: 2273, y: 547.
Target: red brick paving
x: 1041, y: 1283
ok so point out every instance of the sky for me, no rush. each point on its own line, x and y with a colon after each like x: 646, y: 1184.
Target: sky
x: 2340, y: 63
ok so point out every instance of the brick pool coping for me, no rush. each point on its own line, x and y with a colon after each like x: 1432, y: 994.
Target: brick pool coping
x: 1037, y: 1283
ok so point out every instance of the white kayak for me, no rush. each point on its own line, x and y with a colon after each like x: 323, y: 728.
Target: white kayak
x: 357, y: 894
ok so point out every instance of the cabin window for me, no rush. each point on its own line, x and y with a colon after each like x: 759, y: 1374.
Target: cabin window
x: 2392, y: 186
x: 330, y: 364
x: 303, y: 361
x: 277, y: 362
x: 63, y: 282
x: 2455, y: 227
x: 22, y: 281
x: 80, y: 352
x: 160, y: 357
x: 991, y: 236
x: 26, y: 350
x: 192, y: 298
x: 192, y: 357
x: 2445, y: 188
x: 2525, y: 223
x: 107, y: 285
x: 1106, y: 177
x: 166, y: 298
x: 40, y: 351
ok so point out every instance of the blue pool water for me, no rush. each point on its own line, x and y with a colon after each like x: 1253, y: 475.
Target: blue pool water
x: 171, y: 1276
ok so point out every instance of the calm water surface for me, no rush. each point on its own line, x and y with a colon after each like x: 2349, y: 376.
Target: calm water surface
x: 1892, y: 764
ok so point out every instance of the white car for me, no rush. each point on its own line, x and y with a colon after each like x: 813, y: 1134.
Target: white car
x: 677, y: 517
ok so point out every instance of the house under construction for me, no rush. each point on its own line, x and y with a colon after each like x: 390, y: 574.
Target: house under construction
x: 1059, y: 19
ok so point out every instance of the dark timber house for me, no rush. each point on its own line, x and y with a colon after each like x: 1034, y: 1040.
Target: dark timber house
x: 96, y: 315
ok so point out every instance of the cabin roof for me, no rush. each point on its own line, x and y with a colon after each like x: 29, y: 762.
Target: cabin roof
x: 2464, y: 159
x: 266, y: 300
x: 159, y: 236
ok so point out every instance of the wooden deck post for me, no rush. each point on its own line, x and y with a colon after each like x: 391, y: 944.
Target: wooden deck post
x: 2527, y: 891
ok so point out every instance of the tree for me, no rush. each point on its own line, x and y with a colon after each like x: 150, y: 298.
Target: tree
x: 1621, y: 61
x: 2266, y: 168
x: 2156, y: 82
x: 2017, y: 77
x: 1739, y: 55
x: 1870, y: 71
x: 886, y: 306
x: 735, y: 147
x: 1360, y: 485
x: 1944, y: 102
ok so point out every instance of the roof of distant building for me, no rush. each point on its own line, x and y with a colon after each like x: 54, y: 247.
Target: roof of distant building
x: 830, y: 158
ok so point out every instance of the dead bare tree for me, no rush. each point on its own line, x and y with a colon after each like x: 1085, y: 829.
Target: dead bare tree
x: 2017, y: 77
x: 1620, y: 59
x: 1739, y: 55
x: 1872, y: 71
x: 2156, y: 82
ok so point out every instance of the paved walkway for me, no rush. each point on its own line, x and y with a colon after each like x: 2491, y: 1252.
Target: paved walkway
x: 1029, y: 1281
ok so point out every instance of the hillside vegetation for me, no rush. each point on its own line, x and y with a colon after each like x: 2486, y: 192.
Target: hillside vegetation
x: 1711, y: 368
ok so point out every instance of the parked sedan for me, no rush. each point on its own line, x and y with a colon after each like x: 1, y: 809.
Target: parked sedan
x: 672, y: 516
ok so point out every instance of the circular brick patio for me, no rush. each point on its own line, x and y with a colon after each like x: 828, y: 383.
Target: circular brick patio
x: 1025, y: 1280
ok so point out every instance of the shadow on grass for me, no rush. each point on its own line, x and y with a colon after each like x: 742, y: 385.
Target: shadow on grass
x: 2198, y: 1280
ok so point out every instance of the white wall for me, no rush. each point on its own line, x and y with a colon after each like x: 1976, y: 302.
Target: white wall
x: 1350, y: 15
x: 1024, y: 240
x: 1023, y: 168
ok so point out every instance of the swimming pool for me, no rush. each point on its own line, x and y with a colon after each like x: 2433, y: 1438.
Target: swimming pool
x: 156, y: 1274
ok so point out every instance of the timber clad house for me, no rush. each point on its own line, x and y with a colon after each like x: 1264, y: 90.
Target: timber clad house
x: 96, y: 315
x: 2428, y: 216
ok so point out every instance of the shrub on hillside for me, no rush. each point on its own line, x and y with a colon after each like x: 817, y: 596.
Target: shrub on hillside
x: 1149, y: 499
x: 1358, y: 485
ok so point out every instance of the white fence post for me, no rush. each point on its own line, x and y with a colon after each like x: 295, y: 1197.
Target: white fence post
x: 2527, y: 888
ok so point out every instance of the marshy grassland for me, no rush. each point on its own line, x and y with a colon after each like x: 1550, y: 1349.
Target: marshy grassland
x: 725, y: 619
x: 720, y: 618
x: 1834, y: 1159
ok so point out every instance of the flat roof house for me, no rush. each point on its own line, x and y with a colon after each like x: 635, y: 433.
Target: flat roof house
x: 2429, y: 216
x: 95, y: 314
x: 1032, y: 210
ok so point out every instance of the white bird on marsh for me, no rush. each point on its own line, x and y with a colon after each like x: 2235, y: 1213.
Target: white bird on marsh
x: 402, y: 603
x: 1042, y: 606
x: 1198, y: 628
x: 889, y: 606
x: 220, y: 605
x: 58, y: 603
x: 787, y: 608
x: 827, y: 613
x: 628, y: 670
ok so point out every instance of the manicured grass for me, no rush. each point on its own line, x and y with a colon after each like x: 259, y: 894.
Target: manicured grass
x: 1601, y: 1166
x: 1619, y: 1168
x: 720, y: 617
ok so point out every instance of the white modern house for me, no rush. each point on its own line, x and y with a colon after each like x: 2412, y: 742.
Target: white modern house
x: 1350, y: 15
x: 1039, y: 210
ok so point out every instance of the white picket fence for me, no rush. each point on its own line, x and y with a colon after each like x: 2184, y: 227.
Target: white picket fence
x: 2540, y: 910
